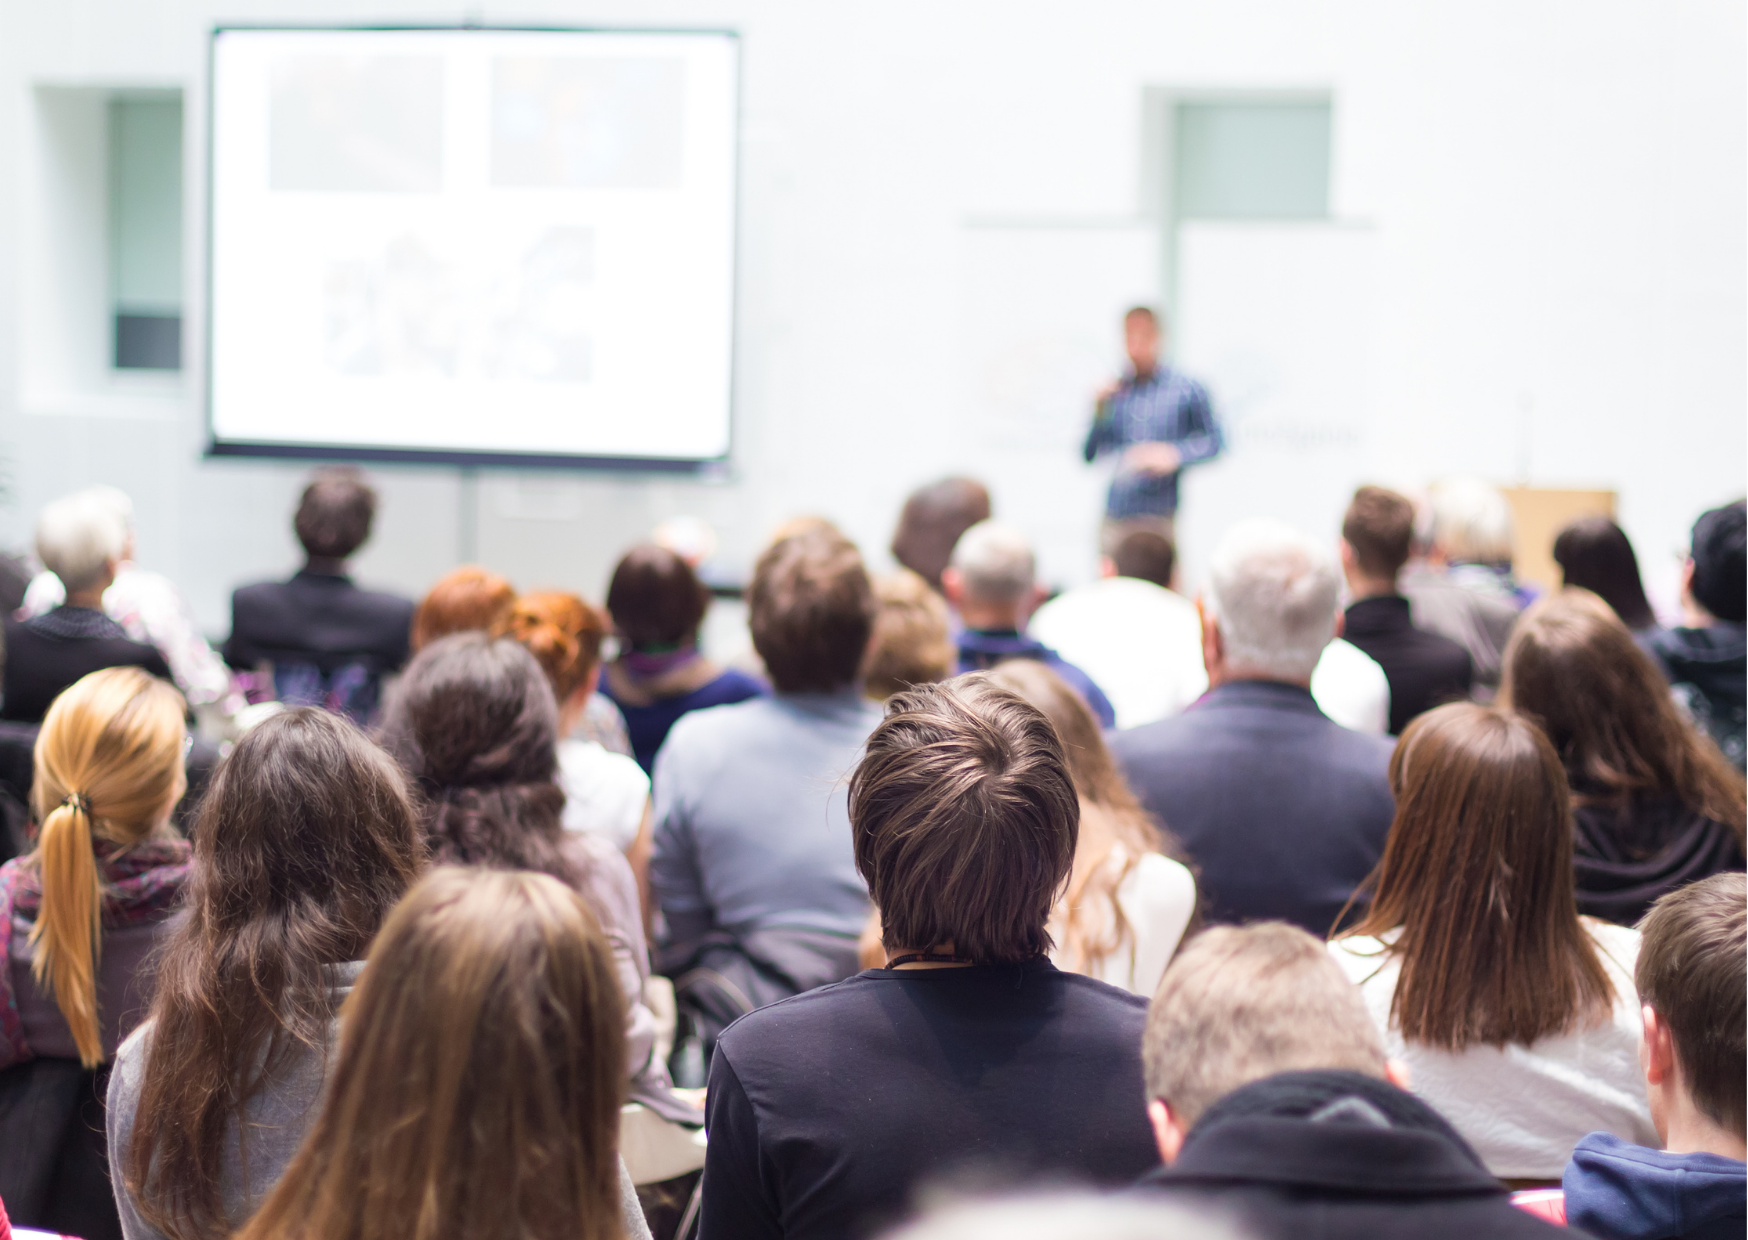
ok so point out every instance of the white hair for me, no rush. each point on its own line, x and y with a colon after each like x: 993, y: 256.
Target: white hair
x: 78, y: 535
x: 1471, y: 522
x: 995, y: 561
x: 1273, y: 592
x: 1069, y: 1216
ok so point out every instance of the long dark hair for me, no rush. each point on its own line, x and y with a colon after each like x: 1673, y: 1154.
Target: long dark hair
x: 481, y: 1069
x: 304, y: 841
x: 1572, y: 667
x: 475, y: 722
x: 1476, y: 885
x: 1594, y: 554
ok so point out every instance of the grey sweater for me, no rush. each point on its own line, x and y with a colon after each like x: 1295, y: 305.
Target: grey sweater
x: 276, y: 1119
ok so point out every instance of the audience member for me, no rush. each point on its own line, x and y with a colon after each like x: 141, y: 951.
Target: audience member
x: 913, y: 644
x: 475, y: 722
x: 931, y: 522
x: 1461, y: 587
x: 323, y: 640
x: 469, y: 599
x: 657, y: 604
x: 1126, y: 905
x: 1516, y: 1017
x: 1706, y: 657
x: 1282, y: 811
x: 1273, y: 1104
x: 1594, y: 554
x: 79, y: 918
x: 1655, y: 804
x: 82, y: 540
x: 304, y: 842
x: 477, y: 1086
x: 753, y: 868
x: 1424, y: 669
x: 992, y: 584
x: 150, y: 611
x: 969, y: 1052
x: 1690, y: 980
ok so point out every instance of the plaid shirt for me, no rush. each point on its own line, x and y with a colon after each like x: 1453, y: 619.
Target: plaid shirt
x: 1165, y: 407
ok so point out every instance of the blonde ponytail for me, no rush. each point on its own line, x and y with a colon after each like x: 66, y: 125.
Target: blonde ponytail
x: 108, y: 765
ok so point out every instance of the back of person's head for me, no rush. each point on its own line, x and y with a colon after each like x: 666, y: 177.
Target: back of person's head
x: 304, y: 841
x: 933, y: 519
x: 995, y: 562
x: 1273, y: 592
x: 474, y: 720
x: 1379, y: 526
x: 469, y: 599
x: 563, y: 633
x: 1471, y: 522
x: 912, y: 645
x: 964, y: 820
x: 335, y: 512
x: 108, y: 769
x: 1594, y: 554
x: 1146, y: 556
x: 811, y: 611
x: 1241, y: 1003
x: 1718, y: 559
x: 1693, y: 959
x: 655, y: 599
x: 1573, y: 667
x: 1477, y: 876
x: 79, y: 537
x: 477, y: 1088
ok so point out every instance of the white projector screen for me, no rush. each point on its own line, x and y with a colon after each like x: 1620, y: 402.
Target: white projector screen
x: 485, y: 246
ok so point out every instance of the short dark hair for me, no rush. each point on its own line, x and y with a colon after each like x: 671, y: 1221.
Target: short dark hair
x: 1147, y: 556
x: 964, y: 820
x: 333, y: 517
x: 1379, y: 526
x: 811, y: 610
x: 655, y: 598
x: 1692, y: 954
x: 1720, y: 584
x: 932, y: 520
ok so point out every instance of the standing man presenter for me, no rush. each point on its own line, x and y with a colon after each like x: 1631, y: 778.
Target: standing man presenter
x: 1157, y: 421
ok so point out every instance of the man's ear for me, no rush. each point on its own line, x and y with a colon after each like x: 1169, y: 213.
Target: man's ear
x: 1107, y: 566
x: 1348, y: 559
x: 1213, y: 650
x: 953, y: 586
x: 1340, y: 625
x: 1168, y: 1134
x: 1657, y: 1050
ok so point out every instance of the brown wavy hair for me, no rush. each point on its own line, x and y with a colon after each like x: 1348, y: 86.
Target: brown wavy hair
x: 563, y: 633
x: 1572, y: 666
x: 1475, y: 885
x: 477, y: 1090
x: 304, y: 841
x: 465, y: 600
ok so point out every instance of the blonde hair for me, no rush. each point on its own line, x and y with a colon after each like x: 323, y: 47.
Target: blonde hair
x: 912, y: 645
x: 108, y: 765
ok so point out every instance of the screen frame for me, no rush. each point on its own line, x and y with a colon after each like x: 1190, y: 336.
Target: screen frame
x: 472, y: 458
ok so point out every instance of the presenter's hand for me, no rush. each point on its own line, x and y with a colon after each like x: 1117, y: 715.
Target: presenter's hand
x: 1156, y: 459
x: 1107, y: 391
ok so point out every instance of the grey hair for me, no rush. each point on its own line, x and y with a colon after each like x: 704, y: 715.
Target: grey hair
x: 996, y: 562
x: 1273, y: 592
x: 79, y: 534
x: 1471, y: 522
x: 1069, y: 1216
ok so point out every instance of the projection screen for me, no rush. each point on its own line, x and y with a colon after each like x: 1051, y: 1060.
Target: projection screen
x: 479, y: 246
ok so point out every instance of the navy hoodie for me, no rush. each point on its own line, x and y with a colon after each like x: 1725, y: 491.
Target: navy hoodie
x: 1616, y: 1190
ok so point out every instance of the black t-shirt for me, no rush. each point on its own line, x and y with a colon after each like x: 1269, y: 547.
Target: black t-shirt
x: 828, y: 1111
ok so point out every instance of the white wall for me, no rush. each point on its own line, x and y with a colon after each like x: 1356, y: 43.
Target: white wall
x: 1536, y: 273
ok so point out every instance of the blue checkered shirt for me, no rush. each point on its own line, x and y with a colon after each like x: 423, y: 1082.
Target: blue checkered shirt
x: 1165, y: 407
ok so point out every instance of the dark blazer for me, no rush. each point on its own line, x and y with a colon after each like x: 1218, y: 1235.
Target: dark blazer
x: 318, y: 618
x: 1327, y: 1155
x: 46, y: 654
x: 1283, y: 810
x: 1424, y: 669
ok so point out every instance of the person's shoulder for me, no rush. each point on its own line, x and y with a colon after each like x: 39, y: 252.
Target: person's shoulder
x: 1157, y: 878
x: 787, y: 1022
x: 594, y: 761
x: 697, y: 732
x: 1156, y: 739
x: 734, y: 685
x: 386, y: 602
x: 259, y: 591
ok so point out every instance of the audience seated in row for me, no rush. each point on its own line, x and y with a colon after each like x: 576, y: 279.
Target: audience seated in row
x: 1282, y: 811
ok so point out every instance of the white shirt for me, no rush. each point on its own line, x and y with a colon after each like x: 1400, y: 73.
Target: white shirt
x: 1157, y: 898
x: 605, y: 793
x: 1142, y: 644
x: 1523, y: 1108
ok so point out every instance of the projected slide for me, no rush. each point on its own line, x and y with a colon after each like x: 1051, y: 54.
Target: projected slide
x: 473, y: 244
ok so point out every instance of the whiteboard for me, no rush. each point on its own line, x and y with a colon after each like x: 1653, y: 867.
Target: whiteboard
x: 491, y: 246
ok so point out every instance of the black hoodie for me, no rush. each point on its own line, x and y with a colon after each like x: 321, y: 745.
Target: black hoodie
x: 1308, y: 1155
x: 1708, y: 669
